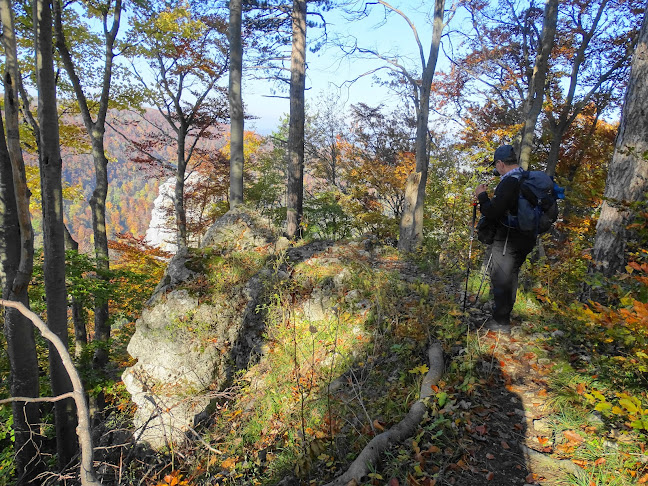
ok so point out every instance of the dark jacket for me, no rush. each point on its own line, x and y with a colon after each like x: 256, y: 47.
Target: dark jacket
x: 504, y: 201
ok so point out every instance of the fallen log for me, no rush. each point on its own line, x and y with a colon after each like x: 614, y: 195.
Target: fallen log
x: 370, y: 455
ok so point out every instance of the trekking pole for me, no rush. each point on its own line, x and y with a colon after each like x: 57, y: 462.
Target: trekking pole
x: 490, y: 257
x: 472, y: 237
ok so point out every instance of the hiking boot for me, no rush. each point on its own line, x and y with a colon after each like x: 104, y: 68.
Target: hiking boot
x: 493, y: 325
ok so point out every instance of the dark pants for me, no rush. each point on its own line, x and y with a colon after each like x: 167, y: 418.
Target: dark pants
x: 508, y: 255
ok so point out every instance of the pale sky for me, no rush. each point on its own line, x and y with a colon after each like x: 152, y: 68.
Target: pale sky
x: 326, y: 70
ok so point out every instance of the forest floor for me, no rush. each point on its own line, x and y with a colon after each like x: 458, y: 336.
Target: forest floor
x: 512, y: 412
x: 510, y: 409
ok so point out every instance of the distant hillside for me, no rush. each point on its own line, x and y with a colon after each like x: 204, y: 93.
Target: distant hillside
x: 133, y: 186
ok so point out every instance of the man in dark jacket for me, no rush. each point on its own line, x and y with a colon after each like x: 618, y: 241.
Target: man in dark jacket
x: 510, y: 247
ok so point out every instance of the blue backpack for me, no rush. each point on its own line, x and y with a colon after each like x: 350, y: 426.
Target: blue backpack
x: 537, y: 202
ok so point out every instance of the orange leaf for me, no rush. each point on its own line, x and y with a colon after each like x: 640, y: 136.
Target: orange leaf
x: 490, y: 476
x: 543, y: 440
x: 434, y: 449
x: 643, y: 479
x: 599, y: 461
x: 393, y: 482
x: 579, y: 462
x: 490, y: 456
x: 572, y: 436
x: 229, y: 463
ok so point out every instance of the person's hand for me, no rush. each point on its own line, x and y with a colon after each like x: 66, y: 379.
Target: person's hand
x: 480, y: 188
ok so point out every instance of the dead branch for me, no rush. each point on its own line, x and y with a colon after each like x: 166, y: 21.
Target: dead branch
x: 88, y: 477
x: 37, y: 399
x: 404, y: 429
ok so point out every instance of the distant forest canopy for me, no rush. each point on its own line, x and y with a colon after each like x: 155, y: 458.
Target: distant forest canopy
x: 133, y: 181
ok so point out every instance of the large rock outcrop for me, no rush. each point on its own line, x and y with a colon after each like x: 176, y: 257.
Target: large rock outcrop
x: 186, y: 346
x: 190, y: 345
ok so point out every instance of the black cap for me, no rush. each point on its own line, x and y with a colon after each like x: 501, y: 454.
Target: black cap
x: 505, y: 153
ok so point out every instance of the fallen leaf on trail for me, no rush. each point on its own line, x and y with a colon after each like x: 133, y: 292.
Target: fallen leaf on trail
x: 518, y: 426
x: 580, y: 389
x: 643, y: 479
x: 542, y: 393
x: 505, y: 445
x: 481, y: 429
x: 490, y: 456
x: 579, y: 462
x: 378, y: 425
x: 543, y: 440
x: 566, y: 448
x: 599, y: 461
x: 393, y: 482
x: 531, y: 478
x: 421, y: 460
x: 229, y: 463
x: 572, y: 436
x: 490, y: 476
x: 434, y: 449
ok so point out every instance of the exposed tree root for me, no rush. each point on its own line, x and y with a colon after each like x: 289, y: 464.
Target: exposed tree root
x: 541, y: 462
x: 404, y: 429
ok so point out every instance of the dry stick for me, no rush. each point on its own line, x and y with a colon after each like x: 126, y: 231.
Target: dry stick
x: 88, y: 477
x: 405, y: 428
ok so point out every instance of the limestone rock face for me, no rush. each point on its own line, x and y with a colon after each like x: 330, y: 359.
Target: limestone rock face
x: 190, y: 345
x: 241, y: 229
x: 187, y: 349
x: 176, y: 368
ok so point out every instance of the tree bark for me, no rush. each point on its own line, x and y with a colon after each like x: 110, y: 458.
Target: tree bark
x: 53, y: 234
x: 411, y: 223
x: 96, y: 130
x: 16, y: 256
x: 236, y: 104
x: 178, y: 200
x: 78, y: 319
x: 533, y: 104
x: 627, y: 180
x: 295, y: 165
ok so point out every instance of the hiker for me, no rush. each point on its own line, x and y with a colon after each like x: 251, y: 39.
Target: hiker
x: 510, y: 246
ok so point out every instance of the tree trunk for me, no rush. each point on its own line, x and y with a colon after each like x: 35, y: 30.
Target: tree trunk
x: 78, y: 319
x: 98, y: 207
x: 180, y: 213
x: 96, y: 130
x: 533, y: 104
x: 16, y: 256
x: 295, y: 169
x: 236, y: 104
x: 627, y: 180
x: 411, y: 223
x: 21, y: 346
x: 53, y: 233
